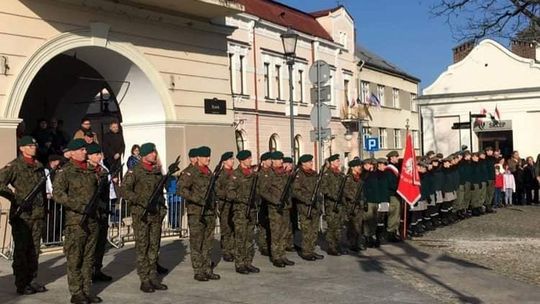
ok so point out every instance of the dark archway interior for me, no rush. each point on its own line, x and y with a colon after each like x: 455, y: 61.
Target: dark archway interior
x: 68, y: 89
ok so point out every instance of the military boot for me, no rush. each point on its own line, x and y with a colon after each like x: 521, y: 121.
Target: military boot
x: 94, y: 299
x: 101, y: 277
x: 242, y: 270
x: 278, y: 263
x: 252, y: 269
x: 158, y: 285
x: 79, y: 299
x: 213, y: 276
x: 147, y: 287
x: 318, y: 256
x: 228, y: 258
x: 287, y: 262
x: 161, y: 270
x: 307, y: 257
x: 201, y: 277
x: 333, y: 251
x: 26, y: 290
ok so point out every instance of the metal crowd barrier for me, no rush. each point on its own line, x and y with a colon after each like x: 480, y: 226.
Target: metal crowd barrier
x: 120, y: 228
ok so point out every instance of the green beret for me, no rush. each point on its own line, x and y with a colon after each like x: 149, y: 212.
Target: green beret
x: 147, y: 148
x: 355, y: 163
x: 266, y: 156
x: 287, y: 160
x: 276, y: 155
x: 93, y: 148
x: 243, y: 155
x: 305, y: 158
x: 333, y: 157
x: 392, y: 154
x: 227, y: 155
x: 192, y: 152
x: 204, y: 151
x: 382, y: 161
x: 76, y: 144
x: 26, y: 141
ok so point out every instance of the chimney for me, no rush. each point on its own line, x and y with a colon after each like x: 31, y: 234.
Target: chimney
x: 526, y: 49
x: 461, y: 51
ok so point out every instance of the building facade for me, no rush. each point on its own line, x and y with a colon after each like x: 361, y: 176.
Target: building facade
x: 260, y: 82
x: 488, y: 79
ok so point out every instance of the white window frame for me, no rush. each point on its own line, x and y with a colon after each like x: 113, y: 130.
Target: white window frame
x: 332, y: 81
x: 383, y: 138
x: 278, y: 68
x: 395, y: 98
x: 267, y: 80
x: 415, y: 139
x: 397, y: 139
x: 364, y: 87
x: 380, y: 94
x: 301, y: 84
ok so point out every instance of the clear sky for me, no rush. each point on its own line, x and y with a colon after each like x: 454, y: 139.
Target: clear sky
x: 401, y: 31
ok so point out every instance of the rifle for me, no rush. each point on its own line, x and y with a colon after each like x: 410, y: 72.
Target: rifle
x: 286, y: 190
x: 26, y: 203
x: 209, y: 195
x: 92, y: 203
x: 253, y: 191
x: 341, y: 190
x: 158, y: 189
x: 315, y: 194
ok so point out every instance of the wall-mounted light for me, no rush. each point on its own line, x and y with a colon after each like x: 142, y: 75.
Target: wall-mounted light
x: 4, y: 66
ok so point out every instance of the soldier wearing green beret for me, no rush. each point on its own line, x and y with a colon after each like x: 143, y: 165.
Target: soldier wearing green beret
x: 354, y: 206
x: 371, y: 189
x: 193, y: 184
x: 139, y: 183
x: 239, y: 191
x: 226, y: 225
x: 272, y: 185
x: 23, y: 173
x: 192, y: 154
x: 289, y: 168
x: 303, y: 187
x: 489, y: 163
x: 394, y: 211
x: 334, y: 216
x: 263, y: 232
x: 477, y: 172
x: 73, y: 187
x: 95, y: 158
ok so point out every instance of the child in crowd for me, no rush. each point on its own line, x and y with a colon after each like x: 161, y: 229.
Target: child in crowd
x: 509, y: 185
x: 499, y: 186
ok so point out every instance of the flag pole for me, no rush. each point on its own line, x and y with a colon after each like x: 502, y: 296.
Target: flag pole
x: 404, y: 236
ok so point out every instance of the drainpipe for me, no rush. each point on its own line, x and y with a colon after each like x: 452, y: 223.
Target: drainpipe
x: 256, y: 92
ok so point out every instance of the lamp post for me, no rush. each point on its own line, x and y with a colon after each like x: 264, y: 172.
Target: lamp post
x: 289, y: 40
x: 471, y: 116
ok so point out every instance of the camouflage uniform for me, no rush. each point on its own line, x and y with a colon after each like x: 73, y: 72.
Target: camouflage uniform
x: 271, y: 186
x: 354, y: 209
x: 27, y: 228
x: 263, y: 230
x: 138, y: 185
x: 226, y: 226
x: 103, y: 226
x: 238, y: 193
x: 303, y: 188
x: 333, y: 216
x: 73, y: 187
x: 192, y: 186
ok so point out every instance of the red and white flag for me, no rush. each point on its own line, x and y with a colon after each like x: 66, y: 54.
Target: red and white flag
x: 497, y: 113
x: 409, y: 180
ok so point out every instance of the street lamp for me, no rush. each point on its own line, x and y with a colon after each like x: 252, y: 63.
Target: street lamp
x: 289, y: 40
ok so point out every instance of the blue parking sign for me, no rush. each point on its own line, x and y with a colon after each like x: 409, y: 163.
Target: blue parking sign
x: 371, y: 144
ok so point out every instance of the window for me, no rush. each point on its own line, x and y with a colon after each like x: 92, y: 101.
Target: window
x: 267, y: 80
x: 242, y: 76
x: 365, y: 91
x: 380, y: 93
x: 273, y: 143
x: 397, y: 138
x: 414, y: 103
x: 415, y: 139
x: 343, y: 39
x: 332, y: 87
x: 240, y: 141
x: 366, y: 131
x: 300, y: 87
x: 346, y: 92
x: 278, y: 82
x: 382, y: 138
x: 395, y: 98
x: 231, y: 71
x: 297, y: 150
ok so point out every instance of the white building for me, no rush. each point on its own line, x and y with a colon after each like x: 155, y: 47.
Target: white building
x: 488, y: 78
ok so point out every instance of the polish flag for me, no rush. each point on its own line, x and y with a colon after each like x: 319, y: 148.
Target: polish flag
x: 409, y: 180
x: 497, y: 113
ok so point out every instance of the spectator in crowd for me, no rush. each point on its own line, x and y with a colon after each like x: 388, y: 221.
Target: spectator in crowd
x: 514, y: 161
x: 43, y: 138
x: 113, y: 146
x: 54, y: 212
x: 21, y: 129
x: 530, y: 183
x: 59, y: 137
x: 86, y: 126
x: 509, y: 186
x: 134, y: 158
x: 499, y: 186
x: 90, y: 137
x: 501, y: 162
